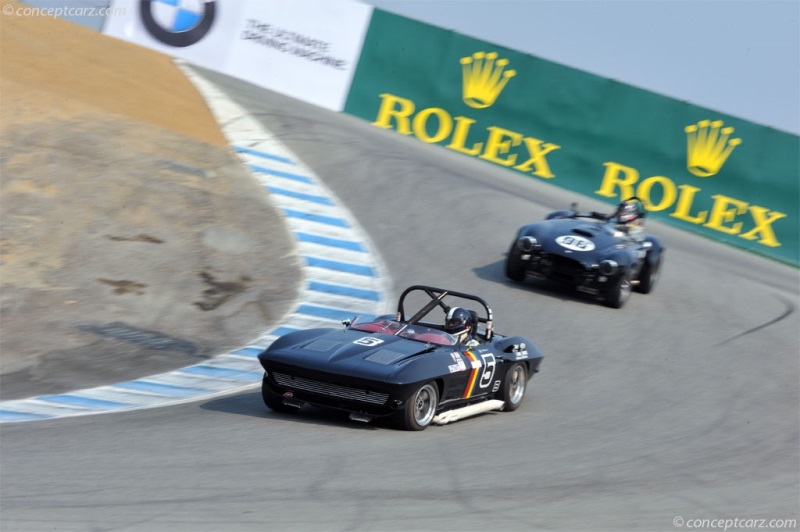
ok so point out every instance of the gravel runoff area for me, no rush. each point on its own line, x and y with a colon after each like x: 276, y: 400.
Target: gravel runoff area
x: 133, y: 241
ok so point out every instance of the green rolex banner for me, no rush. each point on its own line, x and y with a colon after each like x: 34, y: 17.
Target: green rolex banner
x: 698, y: 169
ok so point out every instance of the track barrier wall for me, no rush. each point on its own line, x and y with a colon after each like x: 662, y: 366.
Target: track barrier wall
x: 698, y: 169
x: 701, y: 170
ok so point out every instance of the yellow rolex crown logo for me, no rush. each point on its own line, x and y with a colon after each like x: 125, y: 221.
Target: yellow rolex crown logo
x: 485, y: 77
x: 709, y: 145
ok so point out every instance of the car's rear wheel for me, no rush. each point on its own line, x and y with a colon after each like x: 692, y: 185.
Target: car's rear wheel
x: 420, y: 409
x: 648, y: 276
x: 273, y: 400
x: 515, y: 266
x: 514, y: 386
x: 619, y: 293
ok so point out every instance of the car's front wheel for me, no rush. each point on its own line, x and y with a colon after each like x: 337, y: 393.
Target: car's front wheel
x: 515, y: 266
x: 514, y: 386
x: 420, y: 409
x: 273, y: 400
x: 619, y: 293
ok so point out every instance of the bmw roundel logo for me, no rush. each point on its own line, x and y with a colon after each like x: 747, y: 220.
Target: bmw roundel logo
x: 178, y: 23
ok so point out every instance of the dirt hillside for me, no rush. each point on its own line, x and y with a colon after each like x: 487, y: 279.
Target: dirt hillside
x: 54, y: 68
x: 132, y: 241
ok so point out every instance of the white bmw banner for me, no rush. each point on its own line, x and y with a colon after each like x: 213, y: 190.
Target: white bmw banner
x: 196, y: 30
x: 304, y: 48
x: 307, y: 49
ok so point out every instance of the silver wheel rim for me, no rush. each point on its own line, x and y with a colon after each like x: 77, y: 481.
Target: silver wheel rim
x: 517, y: 385
x: 425, y: 405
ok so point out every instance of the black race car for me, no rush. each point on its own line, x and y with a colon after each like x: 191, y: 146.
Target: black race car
x: 606, y: 255
x: 409, y: 366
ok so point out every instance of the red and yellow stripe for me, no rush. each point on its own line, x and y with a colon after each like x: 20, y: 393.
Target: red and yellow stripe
x: 473, y: 375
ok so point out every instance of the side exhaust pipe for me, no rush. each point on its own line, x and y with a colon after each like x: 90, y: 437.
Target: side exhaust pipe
x: 363, y: 418
x: 467, y: 411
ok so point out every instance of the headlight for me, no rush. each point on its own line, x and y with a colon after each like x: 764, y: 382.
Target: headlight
x: 527, y: 244
x: 608, y: 267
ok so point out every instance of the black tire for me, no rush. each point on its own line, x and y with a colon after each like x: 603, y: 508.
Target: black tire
x: 274, y: 401
x: 648, y: 276
x: 515, y: 267
x: 420, y: 409
x: 619, y: 293
x: 514, y: 386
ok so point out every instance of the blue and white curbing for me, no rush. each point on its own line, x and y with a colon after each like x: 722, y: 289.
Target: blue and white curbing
x: 343, y: 276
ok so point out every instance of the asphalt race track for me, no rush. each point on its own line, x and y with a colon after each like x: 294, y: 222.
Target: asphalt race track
x: 683, y: 405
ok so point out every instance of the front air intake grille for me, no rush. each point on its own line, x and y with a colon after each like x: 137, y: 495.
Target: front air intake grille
x: 331, y: 390
x: 565, y: 269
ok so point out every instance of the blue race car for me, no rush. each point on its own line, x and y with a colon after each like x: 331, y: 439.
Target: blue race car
x: 408, y: 366
x: 606, y: 255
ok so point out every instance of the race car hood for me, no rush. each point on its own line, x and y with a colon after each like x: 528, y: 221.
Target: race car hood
x: 576, y: 236
x: 346, y: 352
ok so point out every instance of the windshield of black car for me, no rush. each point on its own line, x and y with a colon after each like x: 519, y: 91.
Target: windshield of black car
x: 416, y: 332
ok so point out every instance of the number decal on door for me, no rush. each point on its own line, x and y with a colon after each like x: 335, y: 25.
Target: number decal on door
x: 488, y: 370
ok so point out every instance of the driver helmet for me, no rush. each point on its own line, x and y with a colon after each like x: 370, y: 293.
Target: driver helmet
x: 458, y: 320
x: 627, y: 212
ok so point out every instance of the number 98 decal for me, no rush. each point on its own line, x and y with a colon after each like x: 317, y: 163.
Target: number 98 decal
x: 575, y: 243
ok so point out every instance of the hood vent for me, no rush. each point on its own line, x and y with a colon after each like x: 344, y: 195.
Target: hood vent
x: 384, y: 356
x: 584, y: 232
x: 322, y: 345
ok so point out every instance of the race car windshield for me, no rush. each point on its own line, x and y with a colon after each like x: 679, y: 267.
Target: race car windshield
x: 417, y: 332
